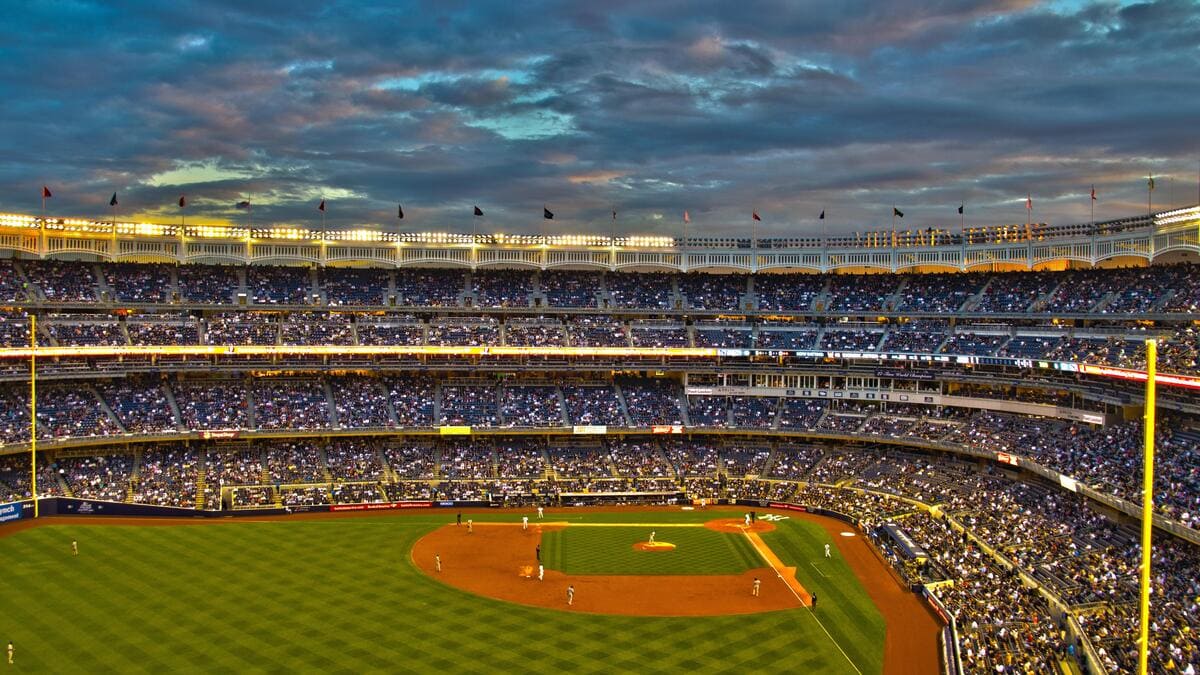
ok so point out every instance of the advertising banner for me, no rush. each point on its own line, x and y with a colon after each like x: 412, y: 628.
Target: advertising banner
x: 10, y: 512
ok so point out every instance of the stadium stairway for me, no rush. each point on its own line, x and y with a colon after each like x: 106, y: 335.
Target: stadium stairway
x: 135, y: 476
x: 201, y: 481
x: 105, y: 409
x: 325, y: 472
x: 176, y: 415
x: 330, y: 404
x: 251, y: 418
x: 621, y: 403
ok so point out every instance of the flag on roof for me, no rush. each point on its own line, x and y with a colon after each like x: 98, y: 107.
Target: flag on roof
x: 113, y: 201
x: 754, y: 215
x: 822, y: 216
x: 1029, y: 202
x: 614, y: 214
x: 46, y: 192
x: 1151, y: 182
x: 686, y: 217
x: 182, y: 201
x: 243, y: 205
x: 1093, y: 193
x: 400, y: 211
x: 897, y: 212
x: 478, y: 211
x: 547, y: 214
x: 321, y: 206
x: 960, y: 208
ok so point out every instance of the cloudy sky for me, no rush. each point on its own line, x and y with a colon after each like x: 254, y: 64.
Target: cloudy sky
x: 651, y: 108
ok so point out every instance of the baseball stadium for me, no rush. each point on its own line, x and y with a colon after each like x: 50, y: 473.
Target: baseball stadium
x: 273, y: 448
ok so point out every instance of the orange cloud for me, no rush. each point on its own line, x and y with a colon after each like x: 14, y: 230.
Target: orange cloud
x: 595, y: 176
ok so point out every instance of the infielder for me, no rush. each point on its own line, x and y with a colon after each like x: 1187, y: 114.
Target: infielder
x: 437, y: 562
x: 757, y: 585
x: 542, y: 572
x: 747, y: 520
x: 524, y: 522
x: 541, y: 513
x: 570, y: 599
x: 651, y: 537
x: 470, y: 525
x: 827, y: 551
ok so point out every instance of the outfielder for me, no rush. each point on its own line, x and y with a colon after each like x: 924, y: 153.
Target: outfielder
x: 74, y: 547
x: 827, y: 551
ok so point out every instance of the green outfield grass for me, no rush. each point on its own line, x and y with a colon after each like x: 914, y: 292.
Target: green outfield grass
x: 343, y: 596
x: 609, y: 550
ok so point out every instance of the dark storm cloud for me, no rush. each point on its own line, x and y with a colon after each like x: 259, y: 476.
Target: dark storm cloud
x: 653, y: 108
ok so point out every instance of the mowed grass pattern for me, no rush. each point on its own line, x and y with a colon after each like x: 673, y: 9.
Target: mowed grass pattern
x: 333, y: 596
x: 609, y: 550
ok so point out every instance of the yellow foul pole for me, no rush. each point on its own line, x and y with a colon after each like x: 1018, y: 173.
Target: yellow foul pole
x: 1147, y: 506
x: 33, y: 410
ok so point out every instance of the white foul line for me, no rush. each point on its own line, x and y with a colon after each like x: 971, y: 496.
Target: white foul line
x: 810, y: 610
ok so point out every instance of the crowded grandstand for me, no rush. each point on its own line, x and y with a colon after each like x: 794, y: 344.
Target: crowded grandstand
x: 991, y: 414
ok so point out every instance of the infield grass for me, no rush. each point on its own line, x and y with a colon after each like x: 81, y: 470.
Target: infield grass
x: 343, y: 596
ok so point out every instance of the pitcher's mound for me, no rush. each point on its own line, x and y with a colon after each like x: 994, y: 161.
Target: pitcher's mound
x: 739, y: 525
x: 653, y: 546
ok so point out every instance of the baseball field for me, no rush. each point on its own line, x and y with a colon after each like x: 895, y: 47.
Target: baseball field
x: 363, y: 594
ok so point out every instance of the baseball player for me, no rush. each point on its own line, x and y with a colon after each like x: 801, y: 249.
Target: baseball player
x: 757, y: 585
x: 747, y: 520
x: 74, y: 547
x: 537, y: 551
x: 524, y: 522
x: 542, y: 572
x: 470, y: 525
x: 458, y: 520
x: 651, y: 537
x: 437, y: 562
x: 827, y: 551
x: 814, y: 600
x: 541, y: 513
x: 570, y: 597
x: 10, y: 652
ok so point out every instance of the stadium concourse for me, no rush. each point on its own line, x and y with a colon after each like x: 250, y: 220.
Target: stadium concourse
x: 983, y: 427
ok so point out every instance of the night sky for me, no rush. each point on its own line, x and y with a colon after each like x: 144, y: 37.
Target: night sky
x: 651, y: 108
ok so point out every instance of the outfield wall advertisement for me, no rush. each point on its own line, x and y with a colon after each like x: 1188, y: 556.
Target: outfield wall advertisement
x: 11, y: 512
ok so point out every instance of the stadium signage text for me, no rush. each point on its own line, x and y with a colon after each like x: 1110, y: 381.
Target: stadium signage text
x: 11, y: 511
x: 380, y: 507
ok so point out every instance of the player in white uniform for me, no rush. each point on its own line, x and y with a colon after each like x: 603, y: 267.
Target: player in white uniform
x: 74, y: 547
x: 524, y: 522
x: 541, y: 513
x: 570, y: 595
x: 437, y: 562
x: 757, y: 585
x: 541, y: 571
x: 827, y: 551
x: 652, y: 537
